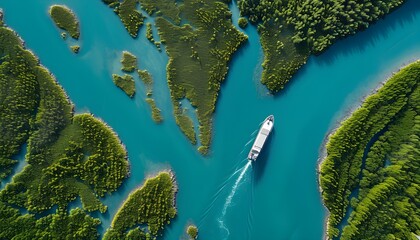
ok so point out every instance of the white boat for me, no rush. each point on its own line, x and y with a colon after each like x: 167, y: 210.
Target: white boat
x: 262, y: 136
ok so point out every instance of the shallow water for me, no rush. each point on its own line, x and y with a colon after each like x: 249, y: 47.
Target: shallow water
x: 278, y: 196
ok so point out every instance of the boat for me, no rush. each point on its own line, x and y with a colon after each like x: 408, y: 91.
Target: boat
x: 262, y: 136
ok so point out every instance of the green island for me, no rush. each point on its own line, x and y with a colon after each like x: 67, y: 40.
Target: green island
x: 128, y: 62
x: 147, y: 79
x: 75, y: 48
x: 65, y: 19
x: 242, y: 22
x: 125, y: 83
x: 60, y: 225
x: 292, y: 30
x: 153, y: 205
x: 192, y: 231
x: 376, y: 151
x: 128, y: 13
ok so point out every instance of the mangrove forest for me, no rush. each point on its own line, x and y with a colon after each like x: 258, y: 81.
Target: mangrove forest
x: 372, y: 168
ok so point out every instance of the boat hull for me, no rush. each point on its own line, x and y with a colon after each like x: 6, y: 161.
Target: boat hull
x: 261, y: 138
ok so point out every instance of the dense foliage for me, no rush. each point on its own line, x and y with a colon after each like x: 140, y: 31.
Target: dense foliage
x: 153, y: 204
x: 126, y: 83
x: 242, y: 22
x: 291, y: 30
x: 377, y: 151
x: 156, y: 113
x: 166, y: 8
x: 149, y: 33
x: 147, y: 79
x: 60, y: 225
x: 128, y: 13
x: 65, y: 19
x: 19, y: 96
x: 192, y: 231
x: 128, y: 62
x: 199, y: 55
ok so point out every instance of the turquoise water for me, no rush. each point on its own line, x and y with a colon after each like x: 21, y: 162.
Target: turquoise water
x: 277, y: 197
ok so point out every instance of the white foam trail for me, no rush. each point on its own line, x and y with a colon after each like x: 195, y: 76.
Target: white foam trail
x: 221, y: 187
x: 230, y: 197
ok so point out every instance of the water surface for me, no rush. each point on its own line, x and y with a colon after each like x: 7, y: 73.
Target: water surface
x: 277, y: 197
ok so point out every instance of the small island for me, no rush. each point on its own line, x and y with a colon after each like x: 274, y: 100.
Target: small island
x: 65, y: 19
x: 147, y: 79
x: 125, y: 83
x: 192, y: 231
x: 149, y: 36
x: 207, y: 46
x: 288, y: 37
x: 128, y: 62
x: 153, y: 205
x: 204, y: 47
x: 370, y: 171
x: 75, y: 48
x: 156, y: 113
x: 242, y: 22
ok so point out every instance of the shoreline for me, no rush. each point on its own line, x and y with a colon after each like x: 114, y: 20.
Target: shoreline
x: 77, y: 22
x: 141, y: 186
x: 345, y: 115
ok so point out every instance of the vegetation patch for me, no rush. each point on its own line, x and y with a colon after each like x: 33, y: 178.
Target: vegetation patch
x: 129, y: 62
x: 126, y: 83
x: 149, y: 33
x: 376, y: 151
x: 65, y: 19
x: 147, y: 79
x: 153, y: 205
x: 156, y: 114
x: 292, y: 30
x: 60, y: 225
x: 166, y: 8
x: 198, y: 61
x: 192, y: 231
x: 128, y: 13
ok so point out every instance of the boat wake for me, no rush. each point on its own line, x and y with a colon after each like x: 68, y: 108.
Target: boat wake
x: 228, y: 201
x: 224, y: 196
